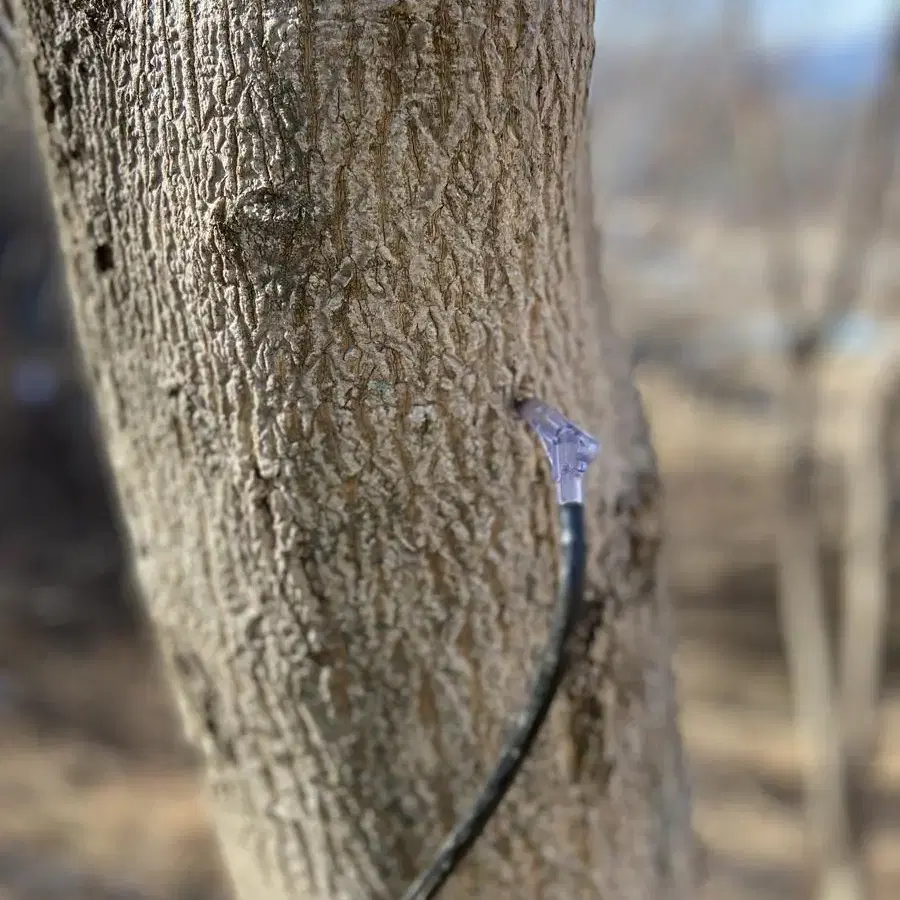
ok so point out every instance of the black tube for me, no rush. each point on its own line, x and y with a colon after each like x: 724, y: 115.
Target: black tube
x: 518, y: 744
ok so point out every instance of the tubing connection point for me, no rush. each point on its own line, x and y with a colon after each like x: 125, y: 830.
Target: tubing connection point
x: 569, y: 449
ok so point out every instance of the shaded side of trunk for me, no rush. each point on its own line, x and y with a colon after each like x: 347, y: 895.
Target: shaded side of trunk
x: 315, y: 251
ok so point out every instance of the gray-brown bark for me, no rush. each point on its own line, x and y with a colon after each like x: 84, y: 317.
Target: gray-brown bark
x: 315, y: 251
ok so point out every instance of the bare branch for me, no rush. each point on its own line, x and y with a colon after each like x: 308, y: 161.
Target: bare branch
x: 865, y: 588
x: 870, y: 171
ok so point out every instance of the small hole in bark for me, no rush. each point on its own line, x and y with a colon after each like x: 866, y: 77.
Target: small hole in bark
x: 103, y: 257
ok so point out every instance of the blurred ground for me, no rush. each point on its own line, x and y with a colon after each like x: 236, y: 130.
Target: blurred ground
x: 736, y: 709
x: 99, y: 799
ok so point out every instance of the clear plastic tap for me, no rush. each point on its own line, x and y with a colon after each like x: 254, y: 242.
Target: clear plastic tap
x: 569, y: 449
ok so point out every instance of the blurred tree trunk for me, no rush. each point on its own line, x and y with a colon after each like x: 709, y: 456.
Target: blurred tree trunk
x: 315, y: 250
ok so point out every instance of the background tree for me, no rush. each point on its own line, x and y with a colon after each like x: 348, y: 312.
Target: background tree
x: 315, y: 251
x: 836, y: 700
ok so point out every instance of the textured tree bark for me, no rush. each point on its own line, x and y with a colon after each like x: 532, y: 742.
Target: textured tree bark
x: 315, y: 251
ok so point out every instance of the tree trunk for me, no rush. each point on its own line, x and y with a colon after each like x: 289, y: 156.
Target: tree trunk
x: 315, y: 252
